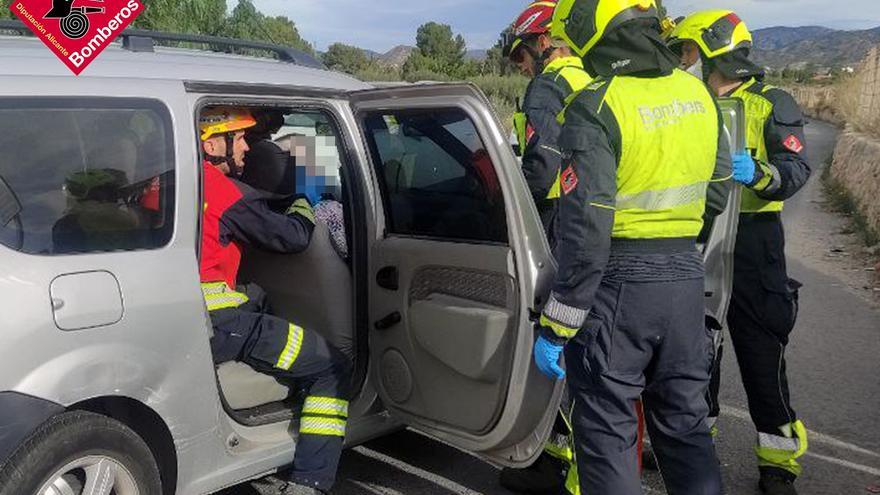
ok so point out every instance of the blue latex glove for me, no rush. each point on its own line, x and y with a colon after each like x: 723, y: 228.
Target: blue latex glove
x: 547, y: 358
x: 744, y: 168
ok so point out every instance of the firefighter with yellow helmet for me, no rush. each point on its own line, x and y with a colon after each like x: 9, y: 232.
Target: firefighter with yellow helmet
x: 644, y: 158
x: 555, y: 75
x: 765, y: 300
x: 235, y: 215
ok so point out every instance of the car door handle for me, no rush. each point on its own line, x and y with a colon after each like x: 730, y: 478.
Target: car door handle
x: 389, y: 321
x: 388, y: 278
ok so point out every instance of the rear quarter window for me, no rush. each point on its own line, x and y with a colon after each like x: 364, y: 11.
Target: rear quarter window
x: 85, y: 175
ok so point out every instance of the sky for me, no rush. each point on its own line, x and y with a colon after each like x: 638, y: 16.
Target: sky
x: 380, y: 25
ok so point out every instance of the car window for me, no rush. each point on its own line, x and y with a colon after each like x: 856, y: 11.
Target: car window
x: 437, y: 178
x: 86, y: 175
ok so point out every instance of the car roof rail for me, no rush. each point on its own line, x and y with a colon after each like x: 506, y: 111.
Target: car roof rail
x: 142, y: 40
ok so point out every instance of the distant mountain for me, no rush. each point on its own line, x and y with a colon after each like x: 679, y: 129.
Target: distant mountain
x: 371, y: 54
x: 397, y: 56
x: 780, y: 47
x: 775, y: 38
x: 478, y: 55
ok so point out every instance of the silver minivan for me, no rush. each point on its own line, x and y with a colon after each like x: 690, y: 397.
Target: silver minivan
x: 107, y: 384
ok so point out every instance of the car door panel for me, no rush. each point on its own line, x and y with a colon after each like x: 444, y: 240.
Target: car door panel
x: 718, y: 248
x: 440, y: 322
x: 454, y: 277
x: 438, y: 281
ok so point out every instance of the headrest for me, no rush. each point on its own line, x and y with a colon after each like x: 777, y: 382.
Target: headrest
x: 268, y: 123
x: 269, y: 168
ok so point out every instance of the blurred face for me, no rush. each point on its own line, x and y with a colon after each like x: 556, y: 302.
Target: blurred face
x: 690, y: 54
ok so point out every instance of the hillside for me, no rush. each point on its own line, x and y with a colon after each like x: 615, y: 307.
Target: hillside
x: 779, y: 47
x: 478, y: 55
x: 775, y: 47
x: 397, y: 56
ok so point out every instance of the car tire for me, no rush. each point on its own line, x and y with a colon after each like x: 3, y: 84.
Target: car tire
x: 75, y: 453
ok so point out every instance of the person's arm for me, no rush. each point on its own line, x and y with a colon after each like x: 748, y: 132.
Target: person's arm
x: 542, y: 156
x: 590, y: 144
x: 251, y: 221
x: 787, y: 171
x: 721, y: 184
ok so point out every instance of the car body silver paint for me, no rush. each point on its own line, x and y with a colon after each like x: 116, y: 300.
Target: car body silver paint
x: 161, y: 358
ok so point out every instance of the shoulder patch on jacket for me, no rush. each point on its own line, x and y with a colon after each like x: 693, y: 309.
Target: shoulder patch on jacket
x: 793, y: 144
x: 568, y: 181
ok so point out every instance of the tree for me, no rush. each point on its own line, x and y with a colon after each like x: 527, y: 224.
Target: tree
x: 184, y: 16
x: 496, y: 63
x: 436, y: 41
x: 439, y: 53
x: 248, y: 23
x: 346, y: 58
x: 5, y: 13
x: 282, y: 31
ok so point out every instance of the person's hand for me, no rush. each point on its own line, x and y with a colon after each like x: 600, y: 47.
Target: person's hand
x: 547, y: 356
x: 303, y: 208
x: 744, y: 168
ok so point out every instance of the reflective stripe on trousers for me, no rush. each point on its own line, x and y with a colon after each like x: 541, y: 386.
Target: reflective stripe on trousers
x: 325, y: 416
x: 291, y: 348
x: 781, y: 451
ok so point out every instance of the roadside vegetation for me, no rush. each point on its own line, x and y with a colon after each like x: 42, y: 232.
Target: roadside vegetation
x: 850, y: 93
x: 843, y: 202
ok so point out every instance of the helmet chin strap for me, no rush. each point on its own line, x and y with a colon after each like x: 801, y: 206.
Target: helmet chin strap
x: 229, y: 159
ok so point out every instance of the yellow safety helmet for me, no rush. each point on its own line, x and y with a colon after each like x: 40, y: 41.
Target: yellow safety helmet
x: 716, y: 32
x: 583, y: 23
x: 223, y: 120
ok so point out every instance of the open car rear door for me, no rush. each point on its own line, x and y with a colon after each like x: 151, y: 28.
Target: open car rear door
x: 719, y: 246
x: 457, y: 255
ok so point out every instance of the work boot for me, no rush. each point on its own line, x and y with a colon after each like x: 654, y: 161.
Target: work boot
x: 776, y: 484
x: 545, y: 477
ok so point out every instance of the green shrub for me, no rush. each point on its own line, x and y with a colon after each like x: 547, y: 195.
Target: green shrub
x: 379, y: 73
x: 503, y: 92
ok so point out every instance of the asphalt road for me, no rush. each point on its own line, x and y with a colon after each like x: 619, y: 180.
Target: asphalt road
x: 834, y: 370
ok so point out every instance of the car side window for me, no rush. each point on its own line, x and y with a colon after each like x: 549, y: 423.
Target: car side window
x: 437, y: 178
x: 85, y: 175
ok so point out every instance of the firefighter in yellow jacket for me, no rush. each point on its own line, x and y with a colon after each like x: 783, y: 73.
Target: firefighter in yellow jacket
x: 765, y: 300
x: 644, y: 159
x: 556, y: 75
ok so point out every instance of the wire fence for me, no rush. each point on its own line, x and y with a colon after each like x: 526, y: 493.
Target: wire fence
x: 868, y: 109
x: 854, y: 100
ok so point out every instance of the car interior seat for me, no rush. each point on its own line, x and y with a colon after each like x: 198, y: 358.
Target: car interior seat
x: 313, y: 289
x: 96, y: 219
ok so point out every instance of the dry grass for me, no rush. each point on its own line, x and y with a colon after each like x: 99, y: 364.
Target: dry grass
x: 850, y: 99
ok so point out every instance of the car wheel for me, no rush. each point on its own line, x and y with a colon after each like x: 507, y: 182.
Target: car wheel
x: 81, y: 453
